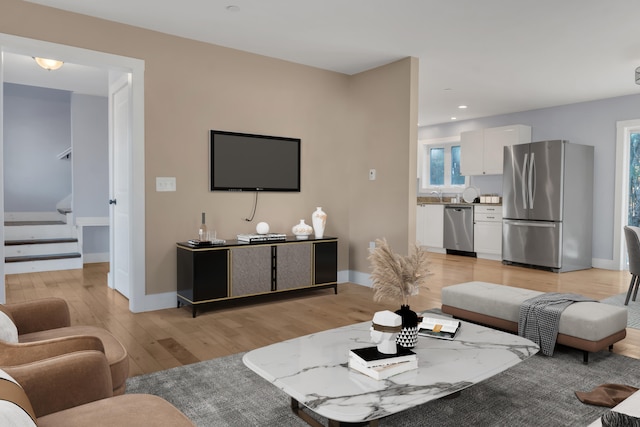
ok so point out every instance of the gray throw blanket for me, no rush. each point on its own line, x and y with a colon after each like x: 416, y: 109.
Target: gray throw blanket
x: 540, y: 318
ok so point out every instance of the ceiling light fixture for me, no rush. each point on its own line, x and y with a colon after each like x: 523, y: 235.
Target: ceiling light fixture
x: 454, y: 118
x: 638, y: 76
x: 462, y: 107
x: 48, y: 64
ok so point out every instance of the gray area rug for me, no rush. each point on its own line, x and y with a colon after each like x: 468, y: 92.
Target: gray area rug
x: 536, y: 392
x: 633, y: 309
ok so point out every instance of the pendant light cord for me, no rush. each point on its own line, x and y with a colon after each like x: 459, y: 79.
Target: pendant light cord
x: 255, y: 205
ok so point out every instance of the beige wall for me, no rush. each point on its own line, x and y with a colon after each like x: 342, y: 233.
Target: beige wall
x: 347, y: 124
x: 386, y: 115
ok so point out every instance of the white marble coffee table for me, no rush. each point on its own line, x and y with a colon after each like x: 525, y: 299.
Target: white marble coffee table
x: 313, y: 370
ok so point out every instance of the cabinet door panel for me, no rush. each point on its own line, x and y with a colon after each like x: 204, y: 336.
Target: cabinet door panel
x: 325, y: 262
x: 251, y: 270
x: 487, y: 237
x: 472, y: 153
x: 293, y: 268
x: 202, y: 275
x: 433, y: 226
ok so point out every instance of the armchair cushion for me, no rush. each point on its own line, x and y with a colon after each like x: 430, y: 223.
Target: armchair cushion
x: 115, y: 352
x: 125, y: 410
x: 39, y: 315
x: 65, y: 381
x: 8, y: 329
x: 75, y: 390
x: 15, y: 408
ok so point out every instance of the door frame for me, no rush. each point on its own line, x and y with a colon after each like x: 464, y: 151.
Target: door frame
x: 624, y: 129
x: 122, y: 64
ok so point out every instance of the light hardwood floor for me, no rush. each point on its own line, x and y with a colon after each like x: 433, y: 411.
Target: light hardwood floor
x: 166, y: 338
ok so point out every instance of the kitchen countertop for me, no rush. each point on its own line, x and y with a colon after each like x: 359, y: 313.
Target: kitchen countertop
x: 447, y: 201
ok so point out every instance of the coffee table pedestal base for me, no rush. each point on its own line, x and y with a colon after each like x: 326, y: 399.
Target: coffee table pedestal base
x: 295, y: 407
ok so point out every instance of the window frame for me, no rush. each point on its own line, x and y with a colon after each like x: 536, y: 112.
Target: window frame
x: 424, y: 164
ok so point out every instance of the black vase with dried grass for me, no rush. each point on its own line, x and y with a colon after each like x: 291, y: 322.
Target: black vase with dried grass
x: 397, y: 277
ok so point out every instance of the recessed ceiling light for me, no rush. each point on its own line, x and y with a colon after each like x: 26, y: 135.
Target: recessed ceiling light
x: 233, y: 8
x: 462, y: 107
x: 454, y: 118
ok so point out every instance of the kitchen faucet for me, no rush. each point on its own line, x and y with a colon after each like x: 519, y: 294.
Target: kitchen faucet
x: 439, y: 194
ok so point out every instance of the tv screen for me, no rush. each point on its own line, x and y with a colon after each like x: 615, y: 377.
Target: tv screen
x: 245, y: 162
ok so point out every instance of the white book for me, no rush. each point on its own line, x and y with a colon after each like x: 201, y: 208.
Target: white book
x: 370, y: 356
x: 384, y: 371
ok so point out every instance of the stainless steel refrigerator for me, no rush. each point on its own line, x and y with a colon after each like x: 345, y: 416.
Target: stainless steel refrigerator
x: 547, y: 205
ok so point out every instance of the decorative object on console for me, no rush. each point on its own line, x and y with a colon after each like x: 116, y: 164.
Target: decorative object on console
x: 268, y: 237
x: 262, y: 228
x: 302, y: 230
x: 319, y: 221
x: 203, y: 234
x: 398, y: 277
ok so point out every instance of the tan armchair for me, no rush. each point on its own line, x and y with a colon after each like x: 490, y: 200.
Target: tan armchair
x: 75, y: 390
x: 44, y: 330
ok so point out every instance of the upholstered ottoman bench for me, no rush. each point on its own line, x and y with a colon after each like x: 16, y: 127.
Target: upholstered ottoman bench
x: 587, y: 326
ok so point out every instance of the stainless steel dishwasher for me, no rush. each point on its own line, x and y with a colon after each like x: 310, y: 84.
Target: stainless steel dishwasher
x: 458, y: 228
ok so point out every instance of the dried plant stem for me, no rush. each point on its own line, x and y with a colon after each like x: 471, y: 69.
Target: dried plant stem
x: 397, y: 277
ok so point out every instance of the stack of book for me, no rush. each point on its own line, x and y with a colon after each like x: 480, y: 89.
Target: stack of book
x: 438, y: 328
x: 252, y: 238
x: 379, y: 366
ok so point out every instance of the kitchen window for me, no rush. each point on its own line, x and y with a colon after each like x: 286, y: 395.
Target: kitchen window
x: 440, y: 165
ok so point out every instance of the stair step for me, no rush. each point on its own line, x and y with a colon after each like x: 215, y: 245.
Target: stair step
x: 22, y: 223
x: 41, y: 257
x: 39, y: 241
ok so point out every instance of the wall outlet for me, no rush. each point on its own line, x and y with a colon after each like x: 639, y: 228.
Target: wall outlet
x: 372, y: 246
x: 372, y: 174
x: 165, y: 183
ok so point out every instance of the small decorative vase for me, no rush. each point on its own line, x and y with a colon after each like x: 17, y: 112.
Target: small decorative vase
x: 302, y: 230
x: 319, y: 221
x: 408, y: 336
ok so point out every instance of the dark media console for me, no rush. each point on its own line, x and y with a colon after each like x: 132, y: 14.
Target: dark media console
x: 239, y: 270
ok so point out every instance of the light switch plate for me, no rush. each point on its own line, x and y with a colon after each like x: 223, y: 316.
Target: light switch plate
x: 165, y: 183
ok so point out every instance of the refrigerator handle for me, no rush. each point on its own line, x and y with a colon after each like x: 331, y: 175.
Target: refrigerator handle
x: 523, y: 183
x: 532, y: 179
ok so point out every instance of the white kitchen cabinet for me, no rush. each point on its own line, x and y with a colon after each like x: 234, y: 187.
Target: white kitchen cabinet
x: 487, y: 231
x: 430, y: 226
x: 482, y: 150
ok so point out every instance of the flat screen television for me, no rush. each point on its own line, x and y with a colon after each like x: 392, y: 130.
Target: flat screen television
x: 246, y: 162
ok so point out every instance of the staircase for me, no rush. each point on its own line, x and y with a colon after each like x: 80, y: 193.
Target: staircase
x: 40, y: 243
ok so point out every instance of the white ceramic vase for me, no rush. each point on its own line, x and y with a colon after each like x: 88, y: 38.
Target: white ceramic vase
x: 302, y: 230
x: 319, y: 221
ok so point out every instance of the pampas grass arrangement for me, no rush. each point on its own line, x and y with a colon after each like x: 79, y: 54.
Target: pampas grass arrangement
x: 395, y: 276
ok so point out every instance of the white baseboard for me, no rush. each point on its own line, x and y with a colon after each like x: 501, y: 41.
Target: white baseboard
x: 93, y: 258
x: 156, y: 302
x: 605, y: 264
x: 359, y: 278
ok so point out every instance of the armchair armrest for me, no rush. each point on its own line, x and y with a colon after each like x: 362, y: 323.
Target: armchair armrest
x: 39, y: 315
x: 64, y: 382
x: 18, y: 354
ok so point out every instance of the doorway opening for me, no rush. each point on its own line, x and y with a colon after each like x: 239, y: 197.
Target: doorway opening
x: 627, y: 186
x: 117, y: 66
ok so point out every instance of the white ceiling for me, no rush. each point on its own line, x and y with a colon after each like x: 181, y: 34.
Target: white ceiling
x: 495, y: 56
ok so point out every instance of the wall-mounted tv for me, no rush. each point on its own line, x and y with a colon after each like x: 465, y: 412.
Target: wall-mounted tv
x: 246, y: 162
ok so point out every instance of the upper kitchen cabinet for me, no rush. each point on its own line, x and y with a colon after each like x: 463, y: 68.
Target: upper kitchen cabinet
x: 481, y: 150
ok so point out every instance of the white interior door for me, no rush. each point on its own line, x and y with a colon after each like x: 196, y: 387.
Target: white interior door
x: 120, y: 122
